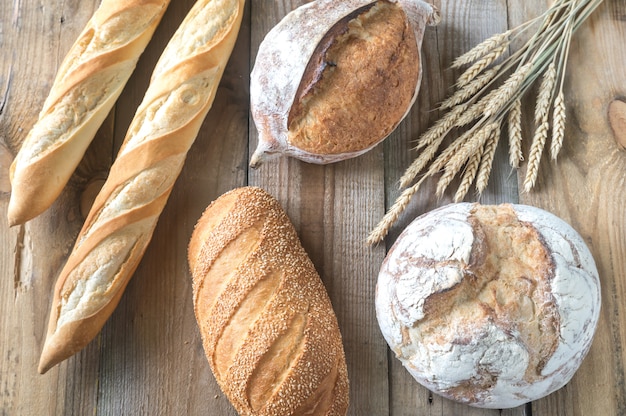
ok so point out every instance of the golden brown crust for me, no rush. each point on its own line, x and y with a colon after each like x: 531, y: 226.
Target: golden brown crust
x: 120, y: 223
x: 267, y: 324
x: 86, y: 87
x: 358, y: 84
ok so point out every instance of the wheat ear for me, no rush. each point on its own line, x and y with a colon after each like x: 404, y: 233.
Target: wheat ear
x: 482, y: 49
x: 515, y: 133
x: 558, y: 125
x: 469, y: 174
x: 478, y: 67
x: 471, y: 89
x: 543, y: 125
x: 486, y: 162
x: 473, y: 142
x: 420, y: 162
x: 382, y: 229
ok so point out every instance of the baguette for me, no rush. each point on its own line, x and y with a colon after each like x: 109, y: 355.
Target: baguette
x: 268, y: 328
x: 122, y: 219
x: 88, y: 83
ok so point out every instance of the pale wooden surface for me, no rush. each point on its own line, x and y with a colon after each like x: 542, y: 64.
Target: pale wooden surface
x: 148, y: 359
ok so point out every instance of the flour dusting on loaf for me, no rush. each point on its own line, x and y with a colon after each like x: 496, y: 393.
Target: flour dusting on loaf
x: 267, y: 324
x: 493, y: 306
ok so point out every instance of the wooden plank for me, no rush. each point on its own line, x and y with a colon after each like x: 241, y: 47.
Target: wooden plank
x: 587, y: 188
x: 463, y: 25
x: 35, y: 39
x: 153, y: 337
x: 333, y: 208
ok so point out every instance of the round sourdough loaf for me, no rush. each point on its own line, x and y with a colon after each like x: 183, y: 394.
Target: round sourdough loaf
x: 492, y: 306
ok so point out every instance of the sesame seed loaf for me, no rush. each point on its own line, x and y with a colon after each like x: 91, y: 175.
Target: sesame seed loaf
x: 267, y: 324
x: 493, y: 306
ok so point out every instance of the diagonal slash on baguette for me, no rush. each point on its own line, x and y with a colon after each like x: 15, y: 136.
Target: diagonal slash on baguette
x: 121, y: 222
x: 87, y: 85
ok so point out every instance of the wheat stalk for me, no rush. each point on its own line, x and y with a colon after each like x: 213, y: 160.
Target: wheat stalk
x: 483, y: 48
x: 421, y: 162
x: 484, y: 98
x: 441, y: 127
x: 480, y: 65
x: 473, y: 142
x: 381, y: 230
x: 544, y: 100
x: 508, y: 90
x: 471, y: 89
x: 558, y: 125
x: 515, y: 133
x: 469, y: 174
x: 486, y: 161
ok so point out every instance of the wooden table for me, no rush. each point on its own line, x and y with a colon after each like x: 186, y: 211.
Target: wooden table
x: 148, y: 359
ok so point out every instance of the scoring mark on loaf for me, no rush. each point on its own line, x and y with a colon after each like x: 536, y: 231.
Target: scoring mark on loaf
x: 210, y: 24
x: 108, y: 34
x: 274, y: 366
x: 221, y: 271
x: 250, y: 308
x: 319, y: 403
x: 83, y: 296
x: 59, y: 122
x: 168, y: 112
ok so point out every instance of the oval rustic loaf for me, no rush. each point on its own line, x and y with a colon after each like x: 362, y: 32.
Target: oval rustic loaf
x: 268, y: 328
x: 334, y: 78
x: 492, y: 306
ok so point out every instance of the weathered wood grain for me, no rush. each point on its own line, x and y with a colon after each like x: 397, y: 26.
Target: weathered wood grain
x: 148, y: 358
x: 587, y: 187
x: 458, y: 32
x: 333, y: 208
